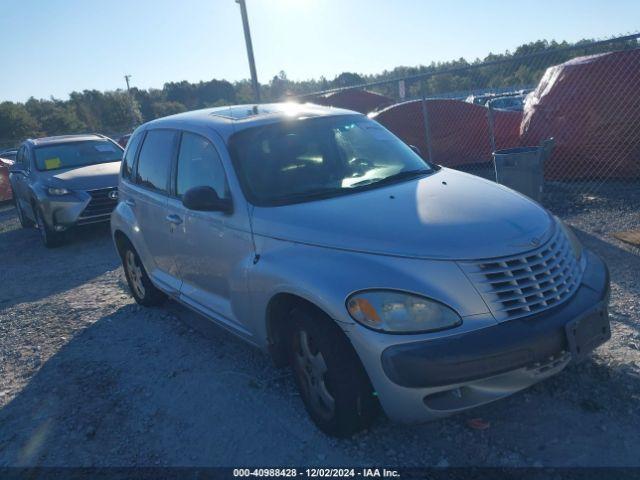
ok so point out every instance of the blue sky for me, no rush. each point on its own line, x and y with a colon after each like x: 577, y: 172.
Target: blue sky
x: 52, y: 47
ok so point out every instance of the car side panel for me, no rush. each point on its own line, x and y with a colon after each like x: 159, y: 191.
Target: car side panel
x: 326, y: 277
x: 124, y: 218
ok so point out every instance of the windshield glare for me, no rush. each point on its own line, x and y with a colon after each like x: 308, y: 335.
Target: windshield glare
x: 77, y: 154
x: 305, y: 159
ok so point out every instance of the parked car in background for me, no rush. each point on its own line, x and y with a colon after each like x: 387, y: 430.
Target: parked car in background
x: 9, y: 154
x: 317, y: 235
x: 123, y: 140
x: 6, y: 193
x: 509, y: 102
x: 59, y: 182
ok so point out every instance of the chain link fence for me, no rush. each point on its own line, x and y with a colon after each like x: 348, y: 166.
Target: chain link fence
x: 585, y: 97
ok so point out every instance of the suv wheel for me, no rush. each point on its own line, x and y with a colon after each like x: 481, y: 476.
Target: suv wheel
x: 143, y: 291
x: 24, y: 221
x: 333, y: 385
x: 49, y: 238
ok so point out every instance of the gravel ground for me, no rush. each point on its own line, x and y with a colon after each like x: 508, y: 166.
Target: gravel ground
x: 87, y: 378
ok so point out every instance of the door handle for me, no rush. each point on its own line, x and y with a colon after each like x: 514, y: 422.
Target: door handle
x: 174, y: 219
x: 130, y: 202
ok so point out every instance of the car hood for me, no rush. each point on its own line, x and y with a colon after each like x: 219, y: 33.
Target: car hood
x: 90, y: 177
x: 447, y: 215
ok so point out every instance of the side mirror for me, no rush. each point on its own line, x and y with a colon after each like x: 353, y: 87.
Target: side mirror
x: 416, y: 150
x: 205, y: 199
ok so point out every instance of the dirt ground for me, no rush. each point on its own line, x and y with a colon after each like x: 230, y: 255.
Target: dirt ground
x: 87, y: 378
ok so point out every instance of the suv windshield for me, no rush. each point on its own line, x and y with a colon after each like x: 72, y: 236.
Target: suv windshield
x: 77, y: 154
x: 302, y: 160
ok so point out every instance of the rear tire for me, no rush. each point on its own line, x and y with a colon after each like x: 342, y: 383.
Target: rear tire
x: 143, y: 291
x: 332, y: 382
x: 50, y: 239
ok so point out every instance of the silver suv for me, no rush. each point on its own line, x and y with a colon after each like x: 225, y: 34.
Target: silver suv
x: 382, y: 280
x: 59, y: 182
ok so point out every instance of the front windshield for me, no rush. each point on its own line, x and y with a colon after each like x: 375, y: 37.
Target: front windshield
x: 307, y: 159
x: 77, y: 154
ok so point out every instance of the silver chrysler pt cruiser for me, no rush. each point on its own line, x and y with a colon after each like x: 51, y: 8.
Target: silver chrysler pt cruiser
x: 383, y: 281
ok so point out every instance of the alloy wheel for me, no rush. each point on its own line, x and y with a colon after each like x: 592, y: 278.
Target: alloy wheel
x: 311, y: 369
x: 135, y: 274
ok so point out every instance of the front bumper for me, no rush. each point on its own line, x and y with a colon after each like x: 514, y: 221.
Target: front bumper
x: 440, y: 376
x: 77, y: 208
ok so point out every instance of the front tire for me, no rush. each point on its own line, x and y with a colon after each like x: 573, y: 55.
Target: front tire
x: 332, y: 382
x: 24, y: 221
x: 50, y: 238
x: 143, y: 291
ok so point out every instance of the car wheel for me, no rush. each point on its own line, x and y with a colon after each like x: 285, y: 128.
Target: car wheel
x: 24, y: 221
x: 143, y: 291
x: 332, y: 382
x: 50, y: 239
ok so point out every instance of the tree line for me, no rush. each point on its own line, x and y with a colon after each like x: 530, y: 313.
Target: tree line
x: 116, y: 112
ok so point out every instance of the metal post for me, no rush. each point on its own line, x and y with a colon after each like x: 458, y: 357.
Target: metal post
x: 492, y: 136
x: 492, y: 130
x: 425, y: 115
x: 131, y: 104
x: 247, y: 39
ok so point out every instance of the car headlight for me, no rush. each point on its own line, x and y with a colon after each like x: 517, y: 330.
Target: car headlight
x: 576, y: 246
x: 57, y: 191
x: 400, y: 312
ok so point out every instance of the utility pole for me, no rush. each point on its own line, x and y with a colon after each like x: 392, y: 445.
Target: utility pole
x: 131, y: 104
x: 247, y: 39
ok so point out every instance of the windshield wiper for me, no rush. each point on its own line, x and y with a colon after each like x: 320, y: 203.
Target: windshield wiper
x: 405, y: 175
x: 309, y: 194
x: 320, y: 193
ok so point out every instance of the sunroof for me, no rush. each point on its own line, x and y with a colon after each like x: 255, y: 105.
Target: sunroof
x: 243, y: 111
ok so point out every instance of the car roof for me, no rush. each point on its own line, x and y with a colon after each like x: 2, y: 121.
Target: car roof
x: 43, y: 141
x: 230, y: 119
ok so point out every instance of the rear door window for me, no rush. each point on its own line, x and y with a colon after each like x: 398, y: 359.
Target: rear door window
x: 154, y: 161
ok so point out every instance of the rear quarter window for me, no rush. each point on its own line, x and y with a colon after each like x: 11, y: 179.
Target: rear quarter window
x: 130, y: 155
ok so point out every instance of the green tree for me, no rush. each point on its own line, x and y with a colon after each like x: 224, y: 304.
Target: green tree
x: 347, y: 79
x: 16, y: 123
x: 162, y: 109
x: 55, y: 117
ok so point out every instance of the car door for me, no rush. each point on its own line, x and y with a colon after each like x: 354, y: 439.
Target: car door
x: 213, y: 249
x: 147, y: 195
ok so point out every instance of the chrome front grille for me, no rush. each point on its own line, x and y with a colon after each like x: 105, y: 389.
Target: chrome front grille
x: 99, y: 207
x: 523, y: 285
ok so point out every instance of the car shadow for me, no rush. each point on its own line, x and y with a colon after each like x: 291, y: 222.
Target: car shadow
x: 87, y: 254
x: 140, y: 387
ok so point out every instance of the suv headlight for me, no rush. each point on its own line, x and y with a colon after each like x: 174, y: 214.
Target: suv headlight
x: 576, y: 246
x: 57, y: 191
x: 400, y: 312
